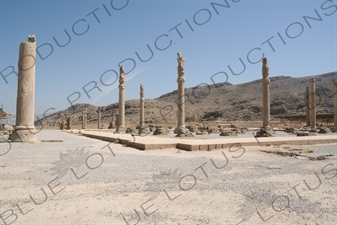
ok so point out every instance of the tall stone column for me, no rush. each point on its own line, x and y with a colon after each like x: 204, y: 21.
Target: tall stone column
x: 113, y: 122
x: 61, y: 122
x: 99, y: 117
x: 142, y: 99
x: 181, y: 129
x: 313, y: 103
x: 64, y: 122
x: 142, y: 128
x: 116, y: 121
x: 69, y: 123
x: 181, y: 91
x: 266, y: 94
x: 307, y: 103
x: 84, y: 118
x: 25, y: 103
x: 121, y: 103
x: 335, y: 101
x: 266, y: 130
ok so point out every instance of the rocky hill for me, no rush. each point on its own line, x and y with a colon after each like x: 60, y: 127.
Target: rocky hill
x: 220, y: 102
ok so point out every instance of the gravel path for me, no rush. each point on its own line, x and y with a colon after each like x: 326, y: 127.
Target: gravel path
x: 106, y: 186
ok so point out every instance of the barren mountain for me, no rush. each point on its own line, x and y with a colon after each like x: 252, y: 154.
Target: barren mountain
x: 221, y: 102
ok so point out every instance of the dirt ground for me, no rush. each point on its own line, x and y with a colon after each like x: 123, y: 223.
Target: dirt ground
x: 54, y: 182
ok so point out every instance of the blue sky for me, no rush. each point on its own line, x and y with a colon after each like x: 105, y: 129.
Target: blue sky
x: 211, y: 37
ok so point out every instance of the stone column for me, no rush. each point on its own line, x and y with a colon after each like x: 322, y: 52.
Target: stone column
x: 307, y: 103
x: 121, y: 103
x: 141, y: 119
x: 116, y: 121
x: 142, y: 128
x: 266, y: 94
x: 181, y: 130
x: 25, y: 103
x: 99, y: 117
x: 113, y: 122
x: 313, y: 104
x: 335, y: 101
x: 64, y: 122
x: 181, y: 91
x: 69, y: 123
x: 266, y: 130
x: 84, y: 118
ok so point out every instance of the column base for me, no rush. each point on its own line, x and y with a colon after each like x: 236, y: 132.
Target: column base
x: 112, y: 125
x: 24, y: 134
x: 121, y: 129
x: 176, y: 130
x: 265, y: 132
x: 184, y: 132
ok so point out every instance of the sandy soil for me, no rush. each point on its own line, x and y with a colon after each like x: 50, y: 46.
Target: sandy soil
x: 108, y: 183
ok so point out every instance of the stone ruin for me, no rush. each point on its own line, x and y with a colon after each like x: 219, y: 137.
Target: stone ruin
x: 266, y: 130
x: 228, y: 133
x: 181, y: 130
x: 142, y: 128
x: 193, y: 129
x: 66, y: 123
x: 161, y: 131
x: 187, y: 131
x: 6, y: 131
x: 131, y: 130
x: 25, y: 127
x: 121, y: 102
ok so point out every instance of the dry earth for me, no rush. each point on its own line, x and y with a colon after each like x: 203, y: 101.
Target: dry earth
x: 229, y: 186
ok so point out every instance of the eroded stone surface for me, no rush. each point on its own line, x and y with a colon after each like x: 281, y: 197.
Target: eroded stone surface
x: 161, y: 131
x: 181, y: 93
x: 323, y: 130
x: 121, y: 102
x: 228, y: 133
x: 265, y: 132
x: 66, y: 123
x: 292, y: 130
x: 144, y: 130
x: 335, y: 101
x: 25, y: 127
x: 184, y: 132
x: 313, y: 103
x: 213, y: 131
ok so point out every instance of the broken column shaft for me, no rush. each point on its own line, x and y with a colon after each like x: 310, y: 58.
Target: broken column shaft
x: 121, y: 102
x: 313, y: 103
x: 84, y: 118
x: 335, y: 101
x: 99, y: 117
x: 307, y: 103
x: 141, y: 119
x: 25, y: 103
x: 266, y: 94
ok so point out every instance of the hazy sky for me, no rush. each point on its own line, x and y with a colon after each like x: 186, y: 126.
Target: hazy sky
x: 222, y: 38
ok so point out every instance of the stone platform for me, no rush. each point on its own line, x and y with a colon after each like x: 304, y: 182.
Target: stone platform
x: 191, y: 144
